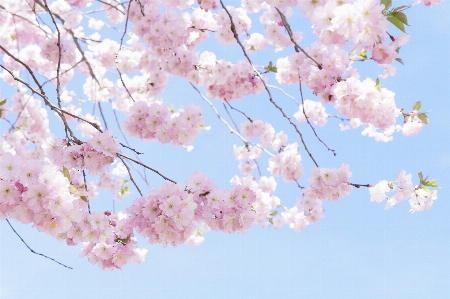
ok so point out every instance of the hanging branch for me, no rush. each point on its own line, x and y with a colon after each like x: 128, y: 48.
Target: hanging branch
x: 226, y: 123
x: 120, y: 48
x: 129, y: 173
x: 103, y: 117
x: 236, y: 36
x: 309, y: 123
x: 232, y: 119
x: 43, y: 255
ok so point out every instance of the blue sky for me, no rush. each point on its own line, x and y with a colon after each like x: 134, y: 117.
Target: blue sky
x: 358, y: 250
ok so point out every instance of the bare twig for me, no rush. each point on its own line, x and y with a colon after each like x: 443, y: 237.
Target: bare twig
x: 32, y: 251
x: 243, y: 113
x: 149, y: 168
x: 291, y: 36
x: 360, y: 185
x: 309, y: 123
x: 236, y: 36
x: 129, y: 173
x: 231, y: 117
x: 85, y: 187
x: 225, y: 122
x: 285, y: 93
x: 120, y: 48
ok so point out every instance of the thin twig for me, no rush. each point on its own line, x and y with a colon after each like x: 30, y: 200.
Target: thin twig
x: 129, y: 173
x: 43, y: 255
x: 232, y: 119
x: 85, y: 187
x: 225, y: 122
x: 243, y: 113
x: 309, y: 123
x: 149, y: 168
x: 236, y: 36
x: 103, y: 117
x: 285, y: 93
x: 360, y: 185
x: 120, y: 48
x: 291, y: 36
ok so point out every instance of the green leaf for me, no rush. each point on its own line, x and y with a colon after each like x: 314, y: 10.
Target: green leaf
x: 66, y: 173
x: 73, y: 190
x: 271, y: 68
x: 421, y: 176
x: 397, y: 23
x: 403, y: 7
x: 124, y: 189
x: 423, y: 117
x: 84, y: 198
x: 417, y: 105
x: 401, y: 16
x: 2, y: 102
x: 377, y: 84
x: 387, y: 4
x: 431, y: 183
x: 399, y: 60
x: 123, y: 241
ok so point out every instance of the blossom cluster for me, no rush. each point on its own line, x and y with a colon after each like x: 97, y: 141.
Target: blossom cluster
x: 361, y: 21
x: 224, y: 80
x: 329, y: 183
x: 366, y: 101
x: 40, y: 175
x: 170, y: 215
x: 155, y: 121
x: 40, y: 194
x: 95, y: 155
x: 331, y: 64
x: 420, y: 197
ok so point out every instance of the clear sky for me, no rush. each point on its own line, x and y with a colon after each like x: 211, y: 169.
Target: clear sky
x: 358, y: 250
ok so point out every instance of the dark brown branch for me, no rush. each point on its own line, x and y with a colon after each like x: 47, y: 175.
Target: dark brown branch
x: 360, y: 185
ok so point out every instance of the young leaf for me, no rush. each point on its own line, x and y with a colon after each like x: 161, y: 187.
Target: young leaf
x: 66, y: 173
x: 399, y: 60
x: 2, y: 102
x: 417, y: 105
x: 423, y: 117
x: 397, y: 23
x: 421, y: 177
x: 387, y: 4
x: 400, y: 8
x: 401, y: 16
x: 73, y: 190
x: 431, y: 183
